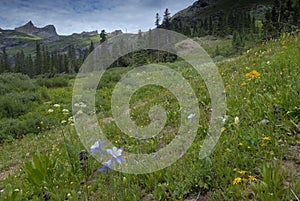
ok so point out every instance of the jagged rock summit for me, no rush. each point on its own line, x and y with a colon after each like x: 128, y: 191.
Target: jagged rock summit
x: 45, y: 32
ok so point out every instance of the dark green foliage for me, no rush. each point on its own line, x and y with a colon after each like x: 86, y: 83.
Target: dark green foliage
x: 13, y: 105
x: 283, y: 17
x: 166, y: 20
x: 157, y: 20
x: 103, y: 36
x: 4, y: 64
x: 15, y: 82
x: 53, y: 82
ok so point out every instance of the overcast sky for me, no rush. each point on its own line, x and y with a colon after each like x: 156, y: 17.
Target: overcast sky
x: 75, y: 16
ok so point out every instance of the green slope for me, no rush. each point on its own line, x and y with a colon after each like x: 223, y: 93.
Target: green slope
x: 253, y: 160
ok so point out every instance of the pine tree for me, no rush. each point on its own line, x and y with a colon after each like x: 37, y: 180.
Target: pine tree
x: 296, y: 14
x: 38, y: 60
x: 5, y: 61
x: 103, y: 36
x: 139, y: 57
x: 166, y: 19
x: 29, y: 66
x: 91, y: 48
x: 157, y: 20
x: 72, y: 59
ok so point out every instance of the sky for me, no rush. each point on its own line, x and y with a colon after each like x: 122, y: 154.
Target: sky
x: 76, y: 16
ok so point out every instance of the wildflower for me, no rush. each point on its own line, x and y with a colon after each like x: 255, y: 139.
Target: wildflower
x: 262, y: 145
x: 276, y: 110
x: 191, y: 117
x: 236, y: 120
x: 237, y: 180
x: 253, y: 74
x: 266, y: 138
x: 223, y: 129
x: 224, y: 118
x: 268, y: 62
x: 63, y: 122
x: 65, y: 111
x: 252, y: 178
x: 71, y: 120
x: 116, y: 154
x: 106, y: 165
x: 56, y: 105
x: 97, y: 147
x: 83, y: 155
x: 242, y: 172
x: 41, y: 122
x: 46, y: 196
x: 240, y: 144
x: 50, y: 110
x: 54, y: 147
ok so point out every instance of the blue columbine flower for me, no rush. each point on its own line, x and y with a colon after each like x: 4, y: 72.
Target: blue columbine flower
x: 106, y: 165
x: 116, y: 154
x: 191, y: 117
x: 97, y: 147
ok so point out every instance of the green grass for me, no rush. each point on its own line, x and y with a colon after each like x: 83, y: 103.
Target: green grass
x: 252, y: 160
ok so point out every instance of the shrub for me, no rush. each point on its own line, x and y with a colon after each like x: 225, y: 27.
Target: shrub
x: 15, y: 82
x: 53, y: 82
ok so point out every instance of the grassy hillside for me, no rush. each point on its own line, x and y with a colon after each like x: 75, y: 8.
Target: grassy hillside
x: 14, y: 41
x: 256, y: 158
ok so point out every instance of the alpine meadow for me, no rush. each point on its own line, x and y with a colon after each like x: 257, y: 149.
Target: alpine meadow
x: 229, y: 131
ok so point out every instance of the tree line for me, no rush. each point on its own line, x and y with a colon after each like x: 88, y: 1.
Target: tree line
x: 241, y: 24
x: 42, y: 61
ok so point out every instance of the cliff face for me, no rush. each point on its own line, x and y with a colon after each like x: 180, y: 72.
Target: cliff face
x: 45, y: 32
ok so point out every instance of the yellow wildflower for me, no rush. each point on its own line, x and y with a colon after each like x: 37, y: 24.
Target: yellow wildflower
x: 54, y: 147
x: 237, y: 180
x: 266, y: 138
x: 223, y: 129
x: 262, y: 145
x: 242, y: 172
x: 253, y: 74
x: 252, y: 178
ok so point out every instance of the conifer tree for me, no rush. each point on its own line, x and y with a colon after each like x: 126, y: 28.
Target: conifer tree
x: 139, y: 57
x: 103, y: 36
x: 91, y: 48
x: 157, y: 20
x: 38, y: 60
x: 5, y: 61
x: 166, y: 19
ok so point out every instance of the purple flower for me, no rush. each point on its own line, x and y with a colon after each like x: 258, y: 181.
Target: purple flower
x: 106, y: 165
x: 116, y: 154
x: 97, y: 147
x: 191, y: 117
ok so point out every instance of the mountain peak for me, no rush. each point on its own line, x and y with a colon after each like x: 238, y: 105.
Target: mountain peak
x: 29, y: 23
x: 45, y: 32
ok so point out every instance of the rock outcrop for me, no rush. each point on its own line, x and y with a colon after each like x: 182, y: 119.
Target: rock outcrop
x: 45, y: 32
